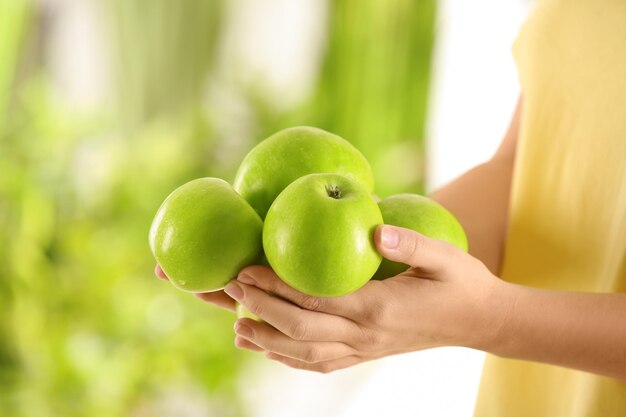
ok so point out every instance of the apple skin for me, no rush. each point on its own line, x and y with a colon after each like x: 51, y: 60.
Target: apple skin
x: 243, y: 312
x: 318, y: 235
x: 203, y: 234
x: 292, y: 153
x: 423, y: 215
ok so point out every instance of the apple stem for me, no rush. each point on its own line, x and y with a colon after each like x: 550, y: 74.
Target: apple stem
x: 334, y: 192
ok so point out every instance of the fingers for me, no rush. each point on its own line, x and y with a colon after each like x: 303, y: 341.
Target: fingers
x: 159, y: 273
x: 324, y: 367
x: 218, y: 298
x: 290, y: 319
x: 349, y: 306
x: 414, y: 249
x: 272, y: 340
x: 243, y: 343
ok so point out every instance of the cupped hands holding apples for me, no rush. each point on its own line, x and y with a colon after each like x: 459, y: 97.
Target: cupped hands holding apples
x: 302, y: 203
x: 440, y: 301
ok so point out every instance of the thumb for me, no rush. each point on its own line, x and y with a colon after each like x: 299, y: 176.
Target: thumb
x: 414, y: 249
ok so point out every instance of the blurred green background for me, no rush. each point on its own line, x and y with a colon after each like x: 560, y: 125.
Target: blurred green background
x: 85, y: 328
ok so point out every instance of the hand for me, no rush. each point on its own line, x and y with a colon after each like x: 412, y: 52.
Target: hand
x: 217, y: 298
x: 442, y: 300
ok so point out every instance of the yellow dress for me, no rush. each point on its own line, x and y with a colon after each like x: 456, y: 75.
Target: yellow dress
x: 567, y: 224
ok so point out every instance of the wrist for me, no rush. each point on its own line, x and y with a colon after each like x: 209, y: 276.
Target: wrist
x: 493, y: 322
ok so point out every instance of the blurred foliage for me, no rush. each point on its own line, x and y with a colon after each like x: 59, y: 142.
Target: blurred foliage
x: 85, y: 329
x: 90, y: 331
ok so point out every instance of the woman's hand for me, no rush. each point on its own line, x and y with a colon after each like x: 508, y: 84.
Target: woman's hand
x: 446, y: 298
x: 217, y: 298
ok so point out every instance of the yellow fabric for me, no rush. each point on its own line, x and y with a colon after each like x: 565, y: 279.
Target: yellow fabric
x: 567, y: 224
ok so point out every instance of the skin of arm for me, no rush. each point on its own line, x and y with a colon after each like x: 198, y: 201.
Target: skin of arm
x: 462, y: 302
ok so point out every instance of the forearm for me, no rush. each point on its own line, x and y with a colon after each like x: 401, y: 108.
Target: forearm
x: 585, y: 331
x: 479, y: 199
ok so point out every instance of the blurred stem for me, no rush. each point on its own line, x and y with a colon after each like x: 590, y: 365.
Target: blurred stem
x: 374, y: 83
x: 164, y: 52
x: 14, y: 16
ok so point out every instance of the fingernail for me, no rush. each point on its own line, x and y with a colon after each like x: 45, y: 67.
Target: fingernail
x: 246, y: 279
x: 234, y: 291
x: 243, y: 330
x: 158, y: 271
x: 390, y: 238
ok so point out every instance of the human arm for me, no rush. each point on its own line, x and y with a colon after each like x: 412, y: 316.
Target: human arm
x: 585, y: 331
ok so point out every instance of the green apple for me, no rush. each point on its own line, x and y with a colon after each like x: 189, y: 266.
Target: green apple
x: 292, y: 153
x: 204, y: 233
x: 318, y: 235
x: 423, y: 215
x: 243, y: 312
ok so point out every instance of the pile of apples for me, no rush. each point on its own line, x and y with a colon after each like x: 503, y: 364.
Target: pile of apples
x: 301, y: 203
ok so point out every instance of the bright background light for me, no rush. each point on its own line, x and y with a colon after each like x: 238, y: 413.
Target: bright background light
x: 475, y: 84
